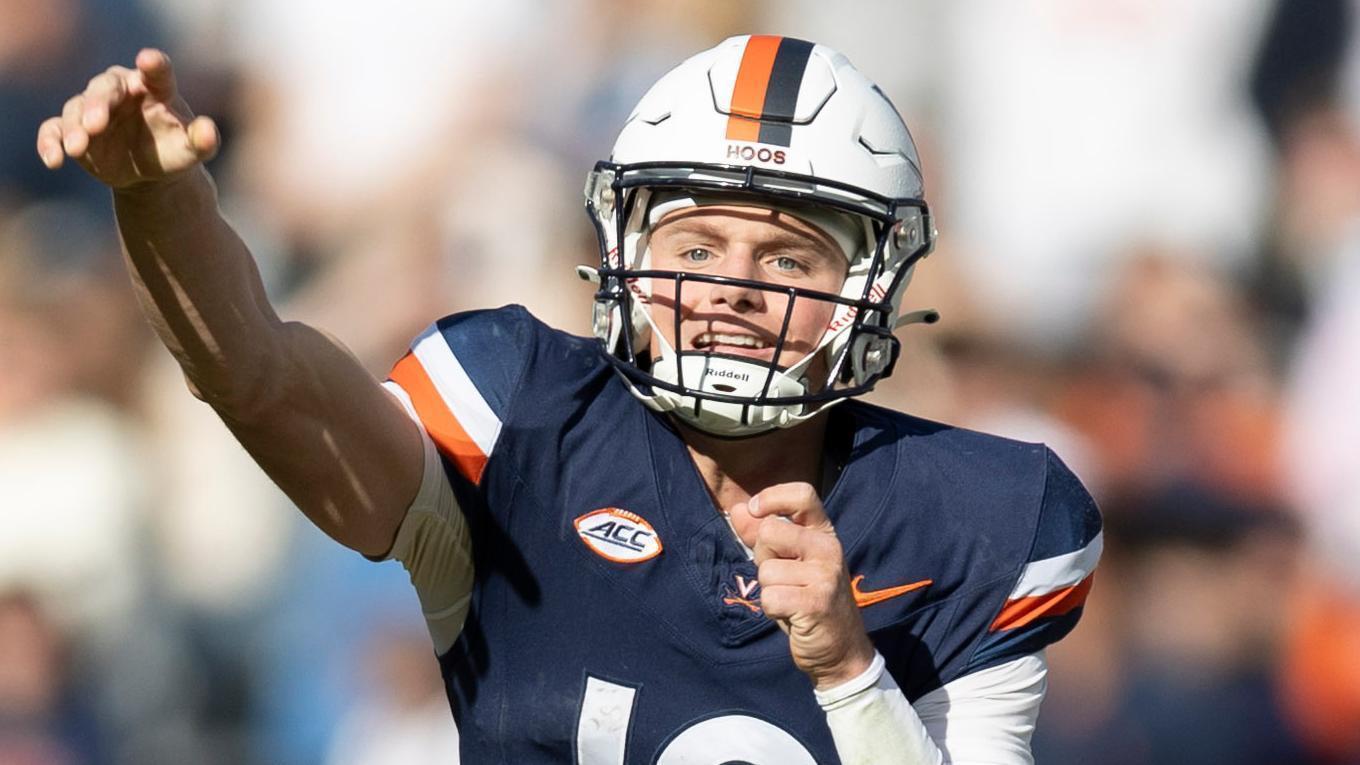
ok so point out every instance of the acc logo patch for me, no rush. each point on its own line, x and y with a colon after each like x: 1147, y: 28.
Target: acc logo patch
x: 618, y: 535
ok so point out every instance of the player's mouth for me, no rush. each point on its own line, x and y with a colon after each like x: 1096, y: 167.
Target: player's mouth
x: 734, y: 344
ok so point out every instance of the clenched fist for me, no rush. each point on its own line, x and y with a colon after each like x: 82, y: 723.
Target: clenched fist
x: 129, y: 127
x: 804, y: 586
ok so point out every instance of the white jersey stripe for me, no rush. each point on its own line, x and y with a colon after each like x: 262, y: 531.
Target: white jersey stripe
x: 457, y: 389
x: 1052, y: 574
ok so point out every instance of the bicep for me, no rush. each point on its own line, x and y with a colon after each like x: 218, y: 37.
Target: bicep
x: 987, y: 716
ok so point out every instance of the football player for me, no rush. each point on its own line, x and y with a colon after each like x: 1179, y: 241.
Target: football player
x: 682, y: 540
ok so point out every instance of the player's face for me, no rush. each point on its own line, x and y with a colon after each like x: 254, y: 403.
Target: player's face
x: 752, y: 243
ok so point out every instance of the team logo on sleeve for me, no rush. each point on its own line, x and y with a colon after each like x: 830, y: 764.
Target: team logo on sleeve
x: 618, y: 535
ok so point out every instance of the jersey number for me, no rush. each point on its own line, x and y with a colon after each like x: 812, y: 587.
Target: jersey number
x: 602, y: 735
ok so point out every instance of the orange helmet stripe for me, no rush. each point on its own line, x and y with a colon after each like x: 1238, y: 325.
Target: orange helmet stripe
x: 748, y: 94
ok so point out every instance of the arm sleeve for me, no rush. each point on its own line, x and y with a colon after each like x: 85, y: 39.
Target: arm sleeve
x: 987, y: 716
x: 434, y: 546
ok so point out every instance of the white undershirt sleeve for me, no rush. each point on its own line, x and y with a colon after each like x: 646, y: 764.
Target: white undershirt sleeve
x: 434, y: 546
x: 986, y: 717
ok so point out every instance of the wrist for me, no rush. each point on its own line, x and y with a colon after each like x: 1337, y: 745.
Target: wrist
x: 854, y: 664
x: 834, y: 696
x: 180, y: 195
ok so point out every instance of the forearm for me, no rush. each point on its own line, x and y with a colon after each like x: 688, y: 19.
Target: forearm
x: 199, y: 287
x: 986, y: 716
x: 873, y: 724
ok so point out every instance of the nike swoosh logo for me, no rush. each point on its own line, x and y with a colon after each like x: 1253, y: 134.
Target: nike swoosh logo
x: 869, y: 597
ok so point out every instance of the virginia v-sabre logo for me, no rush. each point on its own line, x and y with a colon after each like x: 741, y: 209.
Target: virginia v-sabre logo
x: 618, y: 535
x: 744, y: 593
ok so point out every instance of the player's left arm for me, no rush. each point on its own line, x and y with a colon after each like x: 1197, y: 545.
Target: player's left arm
x: 985, y: 716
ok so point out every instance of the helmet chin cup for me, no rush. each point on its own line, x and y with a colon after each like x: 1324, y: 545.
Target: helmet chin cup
x: 725, y: 376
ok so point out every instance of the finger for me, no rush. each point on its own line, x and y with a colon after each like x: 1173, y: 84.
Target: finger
x: 819, y: 598
x: 784, y: 572
x: 156, y: 74
x: 204, y: 138
x: 797, y: 501
x: 785, y: 602
x: 49, y: 143
x: 104, y: 94
x: 776, y: 539
x: 73, y: 137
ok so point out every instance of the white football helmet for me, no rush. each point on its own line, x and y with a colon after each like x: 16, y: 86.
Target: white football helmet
x: 780, y: 123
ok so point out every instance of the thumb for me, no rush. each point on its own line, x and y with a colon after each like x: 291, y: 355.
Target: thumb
x: 204, y: 138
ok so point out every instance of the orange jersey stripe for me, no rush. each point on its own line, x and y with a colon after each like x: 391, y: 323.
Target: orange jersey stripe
x: 1022, y: 611
x: 748, y: 94
x: 439, y: 421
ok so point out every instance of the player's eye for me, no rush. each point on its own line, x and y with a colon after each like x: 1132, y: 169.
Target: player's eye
x: 787, y: 265
x: 696, y: 256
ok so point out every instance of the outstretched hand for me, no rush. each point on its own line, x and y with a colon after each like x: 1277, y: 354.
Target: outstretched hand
x: 129, y: 127
x: 804, y: 586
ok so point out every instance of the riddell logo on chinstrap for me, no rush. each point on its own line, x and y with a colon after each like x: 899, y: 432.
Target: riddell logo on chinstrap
x: 748, y: 153
x: 730, y: 374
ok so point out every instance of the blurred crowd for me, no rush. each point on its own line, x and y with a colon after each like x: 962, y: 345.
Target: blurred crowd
x: 1149, y: 258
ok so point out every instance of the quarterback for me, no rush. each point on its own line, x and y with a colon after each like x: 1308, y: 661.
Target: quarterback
x: 682, y: 540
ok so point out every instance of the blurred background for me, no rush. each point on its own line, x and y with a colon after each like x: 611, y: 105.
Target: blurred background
x: 1149, y: 258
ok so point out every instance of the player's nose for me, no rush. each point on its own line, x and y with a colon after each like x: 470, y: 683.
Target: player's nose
x: 739, y: 297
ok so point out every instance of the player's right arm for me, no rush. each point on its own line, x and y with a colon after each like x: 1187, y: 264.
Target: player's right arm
x: 318, y: 423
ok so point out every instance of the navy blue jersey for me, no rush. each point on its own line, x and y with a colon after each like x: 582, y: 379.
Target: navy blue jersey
x: 616, y: 618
